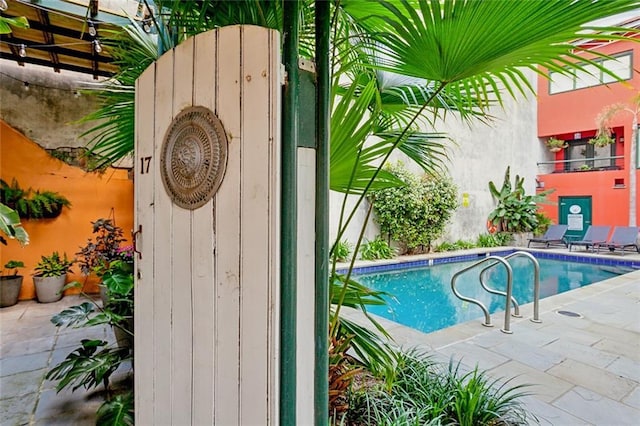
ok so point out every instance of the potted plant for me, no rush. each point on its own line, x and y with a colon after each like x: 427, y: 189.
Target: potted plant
x: 51, y: 274
x: 602, y: 140
x: 556, y: 145
x: 10, y: 284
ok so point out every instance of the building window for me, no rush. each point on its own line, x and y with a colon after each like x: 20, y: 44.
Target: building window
x: 619, y: 65
x: 586, y: 156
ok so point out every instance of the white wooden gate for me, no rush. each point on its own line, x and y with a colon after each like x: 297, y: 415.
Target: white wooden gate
x: 206, y: 329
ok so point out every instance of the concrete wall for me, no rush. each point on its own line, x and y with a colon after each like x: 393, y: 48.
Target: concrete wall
x: 481, y: 153
x: 47, y: 111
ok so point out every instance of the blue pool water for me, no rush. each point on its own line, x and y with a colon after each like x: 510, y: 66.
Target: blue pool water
x: 422, y: 297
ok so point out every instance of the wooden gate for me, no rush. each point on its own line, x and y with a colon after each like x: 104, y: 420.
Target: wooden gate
x: 206, y: 296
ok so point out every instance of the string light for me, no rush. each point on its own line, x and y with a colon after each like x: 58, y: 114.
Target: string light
x: 92, y: 28
x: 75, y: 91
x: 97, y: 46
x: 26, y: 86
x: 3, y: 5
x: 23, y: 51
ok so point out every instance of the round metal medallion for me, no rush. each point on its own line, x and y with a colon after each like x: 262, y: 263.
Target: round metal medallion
x: 193, y: 157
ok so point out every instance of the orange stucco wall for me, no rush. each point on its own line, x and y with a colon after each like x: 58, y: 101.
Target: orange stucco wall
x: 564, y: 114
x: 92, y: 196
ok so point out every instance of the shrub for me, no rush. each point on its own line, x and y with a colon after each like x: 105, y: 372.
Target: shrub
x: 426, y: 392
x: 342, y: 251
x: 416, y: 213
x: 376, y: 249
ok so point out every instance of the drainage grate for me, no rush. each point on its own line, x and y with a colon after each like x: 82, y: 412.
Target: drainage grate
x: 569, y: 314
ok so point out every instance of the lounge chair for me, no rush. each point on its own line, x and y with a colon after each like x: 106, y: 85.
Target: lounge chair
x: 554, y: 235
x: 623, y: 237
x: 594, y: 237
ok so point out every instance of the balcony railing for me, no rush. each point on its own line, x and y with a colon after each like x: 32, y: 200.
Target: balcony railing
x: 582, y: 164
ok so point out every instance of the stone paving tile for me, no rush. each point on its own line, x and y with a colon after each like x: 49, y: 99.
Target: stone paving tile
x: 597, y: 409
x: 630, y: 349
x: 544, y: 386
x: 533, y: 356
x: 67, y: 408
x: 22, y: 363
x: 17, y: 410
x: 473, y: 355
x: 21, y: 383
x: 625, y: 367
x: 583, y: 353
x: 633, y: 399
x: 595, y: 379
x: 618, y: 334
x: 548, y: 415
x: 27, y: 347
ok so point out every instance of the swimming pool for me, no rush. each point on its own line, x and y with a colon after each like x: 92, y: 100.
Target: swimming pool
x: 422, y: 297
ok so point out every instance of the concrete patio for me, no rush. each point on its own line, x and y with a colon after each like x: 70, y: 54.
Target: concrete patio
x: 31, y: 345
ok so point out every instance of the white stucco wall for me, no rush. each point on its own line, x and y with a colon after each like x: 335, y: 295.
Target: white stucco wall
x: 482, y: 154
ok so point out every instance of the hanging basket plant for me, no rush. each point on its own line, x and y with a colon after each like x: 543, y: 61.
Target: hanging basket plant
x: 556, y: 145
x: 602, y: 140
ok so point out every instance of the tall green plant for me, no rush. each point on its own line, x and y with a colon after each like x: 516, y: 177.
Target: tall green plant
x: 515, y: 210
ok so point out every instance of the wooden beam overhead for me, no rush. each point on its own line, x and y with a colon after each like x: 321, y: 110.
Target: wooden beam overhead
x: 43, y: 16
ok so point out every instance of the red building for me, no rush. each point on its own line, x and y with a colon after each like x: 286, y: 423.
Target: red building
x: 592, y: 184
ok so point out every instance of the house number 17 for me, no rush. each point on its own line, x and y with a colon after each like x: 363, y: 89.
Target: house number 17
x: 144, y: 164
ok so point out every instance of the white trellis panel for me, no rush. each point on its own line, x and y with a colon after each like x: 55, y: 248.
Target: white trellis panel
x: 206, y: 325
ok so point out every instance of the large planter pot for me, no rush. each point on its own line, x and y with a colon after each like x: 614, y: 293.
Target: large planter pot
x: 521, y: 239
x: 10, y: 290
x: 49, y: 289
x: 124, y: 339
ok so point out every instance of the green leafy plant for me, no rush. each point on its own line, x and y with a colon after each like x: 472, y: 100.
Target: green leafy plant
x: 426, y: 392
x: 342, y: 251
x: 103, y: 248
x: 53, y: 266
x: 376, y: 249
x: 515, y: 211
x: 88, y: 366
x: 13, y: 264
x: 415, y: 213
x: 30, y: 204
x: 553, y: 143
x: 543, y: 223
x: 458, y: 245
x: 18, y: 22
x: 11, y: 227
x: 117, y: 411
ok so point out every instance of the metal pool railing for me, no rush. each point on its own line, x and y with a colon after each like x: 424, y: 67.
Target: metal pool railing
x: 508, y: 294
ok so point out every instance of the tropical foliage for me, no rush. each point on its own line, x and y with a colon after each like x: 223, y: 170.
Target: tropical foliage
x: 425, y: 392
x: 415, y: 213
x: 515, y: 211
x: 377, y: 248
x: 10, y: 226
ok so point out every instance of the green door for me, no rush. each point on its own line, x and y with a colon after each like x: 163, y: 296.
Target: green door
x: 576, y: 213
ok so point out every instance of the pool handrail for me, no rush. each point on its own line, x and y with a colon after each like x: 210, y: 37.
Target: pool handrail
x: 487, y: 317
x: 536, y: 284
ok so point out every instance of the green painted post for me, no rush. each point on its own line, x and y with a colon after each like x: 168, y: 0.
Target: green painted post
x: 321, y: 379
x: 288, y: 244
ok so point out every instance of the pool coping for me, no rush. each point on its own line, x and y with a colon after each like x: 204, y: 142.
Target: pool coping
x: 415, y: 261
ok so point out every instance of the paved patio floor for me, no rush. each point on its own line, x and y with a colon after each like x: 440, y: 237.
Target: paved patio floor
x: 30, y: 346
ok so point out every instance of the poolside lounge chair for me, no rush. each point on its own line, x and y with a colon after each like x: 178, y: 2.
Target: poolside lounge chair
x: 594, y: 237
x: 554, y: 235
x: 623, y: 237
